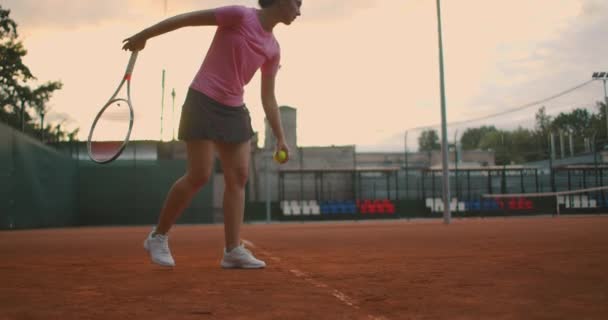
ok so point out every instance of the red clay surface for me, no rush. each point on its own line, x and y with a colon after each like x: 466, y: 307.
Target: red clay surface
x: 515, y: 268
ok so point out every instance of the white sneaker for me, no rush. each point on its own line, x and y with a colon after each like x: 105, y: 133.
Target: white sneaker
x: 241, y: 258
x: 158, y: 246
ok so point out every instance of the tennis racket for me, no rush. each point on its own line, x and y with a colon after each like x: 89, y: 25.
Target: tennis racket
x: 114, y: 121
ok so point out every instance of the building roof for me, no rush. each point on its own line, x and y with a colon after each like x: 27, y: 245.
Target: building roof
x: 341, y: 170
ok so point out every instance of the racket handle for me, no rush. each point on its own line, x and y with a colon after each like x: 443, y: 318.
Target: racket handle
x: 131, y: 65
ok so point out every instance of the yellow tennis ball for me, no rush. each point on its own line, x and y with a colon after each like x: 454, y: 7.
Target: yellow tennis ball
x: 280, y: 156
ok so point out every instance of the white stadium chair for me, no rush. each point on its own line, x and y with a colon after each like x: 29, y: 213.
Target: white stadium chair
x: 438, y: 205
x: 576, y: 201
x: 584, y: 201
x: 592, y: 203
x: 306, y: 210
x: 461, y: 206
x: 287, y: 210
x: 296, y: 210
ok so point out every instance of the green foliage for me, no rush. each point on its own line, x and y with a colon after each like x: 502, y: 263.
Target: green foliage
x: 543, y: 121
x: 577, y: 122
x: 428, y: 141
x: 599, y: 126
x: 8, y: 27
x: 524, y: 145
x: 16, y: 96
x: 471, y: 138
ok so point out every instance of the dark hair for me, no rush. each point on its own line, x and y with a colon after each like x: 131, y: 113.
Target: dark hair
x: 266, y: 3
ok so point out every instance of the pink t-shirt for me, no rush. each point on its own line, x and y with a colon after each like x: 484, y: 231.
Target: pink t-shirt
x: 240, y: 47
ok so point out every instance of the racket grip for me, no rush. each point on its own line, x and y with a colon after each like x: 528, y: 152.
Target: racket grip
x: 131, y: 65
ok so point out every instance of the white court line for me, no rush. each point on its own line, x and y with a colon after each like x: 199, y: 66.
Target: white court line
x: 342, y: 297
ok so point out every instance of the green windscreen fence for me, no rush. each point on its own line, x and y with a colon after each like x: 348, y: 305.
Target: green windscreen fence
x: 42, y: 187
x: 38, y: 184
x: 132, y: 193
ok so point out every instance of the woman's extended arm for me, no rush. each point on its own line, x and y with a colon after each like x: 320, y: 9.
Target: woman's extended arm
x: 271, y: 109
x: 195, y: 18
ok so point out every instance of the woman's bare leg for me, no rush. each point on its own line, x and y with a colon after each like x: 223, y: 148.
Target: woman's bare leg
x: 235, y: 164
x: 200, y: 166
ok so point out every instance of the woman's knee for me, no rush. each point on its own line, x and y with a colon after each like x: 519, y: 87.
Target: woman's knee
x: 197, y: 180
x: 237, y: 178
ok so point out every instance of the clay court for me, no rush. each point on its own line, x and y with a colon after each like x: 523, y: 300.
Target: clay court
x: 513, y: 268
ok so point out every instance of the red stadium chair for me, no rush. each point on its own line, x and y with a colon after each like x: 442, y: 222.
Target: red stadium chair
x: 389, y: 208
x: 371, y: 208
x: 363, y: 210
x: 501, y: 203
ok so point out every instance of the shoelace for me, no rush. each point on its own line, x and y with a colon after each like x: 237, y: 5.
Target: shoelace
x: 243, y: 250
x: 164, y: 244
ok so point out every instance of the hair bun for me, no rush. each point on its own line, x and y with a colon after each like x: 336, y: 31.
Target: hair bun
x: 265, y: 3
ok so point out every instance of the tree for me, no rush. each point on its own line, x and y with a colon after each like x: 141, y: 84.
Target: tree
x: 472, y: 137
x: 428, y: 141
x: 543, y: 121
x: 577, y: 121
x: 522, y: 146
x: 16, y: 96
x: 496, y: 141
x: 598, y: 123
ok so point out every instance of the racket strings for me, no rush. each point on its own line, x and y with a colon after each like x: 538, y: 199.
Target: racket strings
x: 117, y: 112
x: 110, y: 131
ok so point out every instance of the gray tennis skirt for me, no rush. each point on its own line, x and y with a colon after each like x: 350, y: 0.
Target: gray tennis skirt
x: 206, y: 119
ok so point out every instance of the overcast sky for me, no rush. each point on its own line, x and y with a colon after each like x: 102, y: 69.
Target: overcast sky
x: 359, y: 71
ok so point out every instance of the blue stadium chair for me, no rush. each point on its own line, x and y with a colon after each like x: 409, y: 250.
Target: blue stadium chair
x: 334, y: 208
x: 485, y: 204
x: 602, y: 202
x: 476, y: 205
x: 467, y: 205
x: 351, y: 207
x: 342, y: 207
x: 338, y: 207
x: 491, y: 204
x: 324, y: 208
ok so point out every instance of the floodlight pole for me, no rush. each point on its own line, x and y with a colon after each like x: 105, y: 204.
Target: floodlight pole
x: 603, y: 76
x: 173, y: 115
x: 267, y: 158
x: 606, y: 107
x: 162, y: 105
x: 405, y: 165
x: 447, y: 216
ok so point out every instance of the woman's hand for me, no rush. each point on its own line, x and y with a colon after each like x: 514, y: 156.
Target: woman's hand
x: 134, y: 43
x: 281, y: 145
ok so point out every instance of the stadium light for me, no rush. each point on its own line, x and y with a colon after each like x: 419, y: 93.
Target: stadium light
x: 447, y: 215
x: 603, y: 76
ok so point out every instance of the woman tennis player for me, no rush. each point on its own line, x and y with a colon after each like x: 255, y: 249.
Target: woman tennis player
x: 215, y: 119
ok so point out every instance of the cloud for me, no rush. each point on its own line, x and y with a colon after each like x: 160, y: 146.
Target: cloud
x: 542, y: 67
x: 593, y: 8
x: 582, y: 45
x: 516, y: 52
x: 30, y: 14
x: 529, y: 67
x: 67, y: 14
